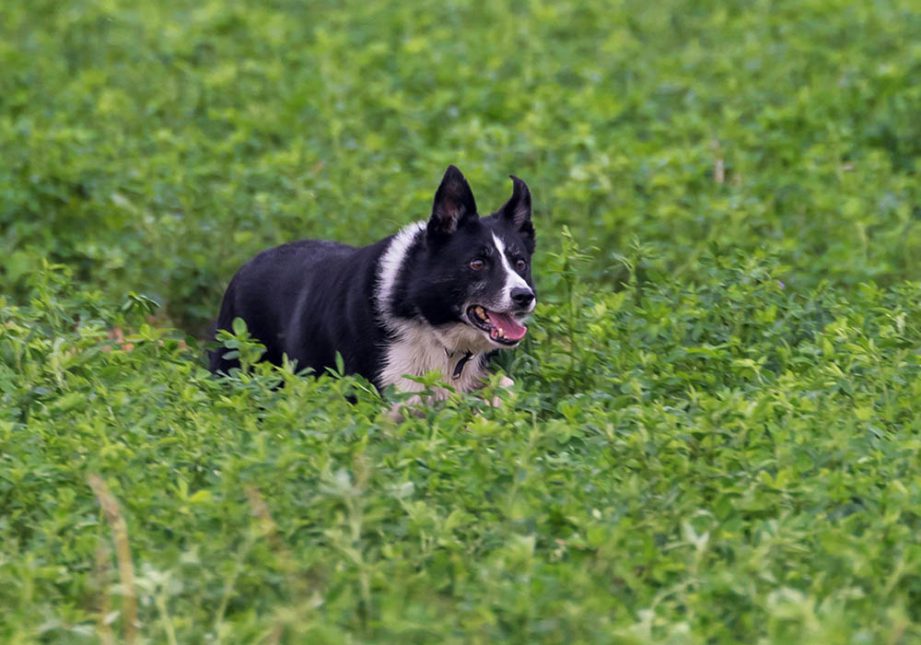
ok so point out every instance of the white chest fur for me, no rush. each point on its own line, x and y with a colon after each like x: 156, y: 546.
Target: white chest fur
x: 419, y: 350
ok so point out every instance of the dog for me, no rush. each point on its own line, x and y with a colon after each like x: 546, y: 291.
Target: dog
x: 440, y: 295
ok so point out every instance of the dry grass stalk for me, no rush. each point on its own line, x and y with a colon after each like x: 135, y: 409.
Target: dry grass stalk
x: 122, y: 553
x: 106, y: 637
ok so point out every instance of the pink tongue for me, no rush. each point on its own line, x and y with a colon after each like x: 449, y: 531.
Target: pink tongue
x: 512, y: 328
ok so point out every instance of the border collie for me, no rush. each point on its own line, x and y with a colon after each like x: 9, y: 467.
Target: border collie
x: 438, y: 296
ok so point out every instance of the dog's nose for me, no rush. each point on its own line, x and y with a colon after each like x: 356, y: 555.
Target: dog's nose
x: 521, y: 296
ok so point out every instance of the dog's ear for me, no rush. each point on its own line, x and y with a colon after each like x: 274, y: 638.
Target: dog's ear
x: 517, y: 210
x: 454, y: 204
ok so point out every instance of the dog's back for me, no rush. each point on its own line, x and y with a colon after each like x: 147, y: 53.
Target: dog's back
x: 304, y: 299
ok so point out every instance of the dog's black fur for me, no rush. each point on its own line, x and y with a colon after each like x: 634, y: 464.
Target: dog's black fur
x: 308, y: 299
x: 397, y: 300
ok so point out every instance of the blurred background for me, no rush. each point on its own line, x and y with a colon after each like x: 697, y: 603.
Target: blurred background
x: 155, y: 146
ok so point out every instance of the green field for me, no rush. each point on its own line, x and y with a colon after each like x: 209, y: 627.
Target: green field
x: 715, y: 435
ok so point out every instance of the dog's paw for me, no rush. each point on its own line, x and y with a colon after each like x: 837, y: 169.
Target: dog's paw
x: 506, y: 384
x: 412, y: 407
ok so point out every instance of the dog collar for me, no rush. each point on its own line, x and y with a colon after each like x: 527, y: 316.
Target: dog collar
x: 459, y: 368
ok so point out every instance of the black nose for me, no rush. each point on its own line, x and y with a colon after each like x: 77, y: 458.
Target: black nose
x: 521, y: 296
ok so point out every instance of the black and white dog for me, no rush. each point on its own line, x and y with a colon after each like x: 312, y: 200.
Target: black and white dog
x: 437, y: 296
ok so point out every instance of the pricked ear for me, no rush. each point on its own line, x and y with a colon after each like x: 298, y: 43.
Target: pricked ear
x: 517, y: 210
x: 454, y: 204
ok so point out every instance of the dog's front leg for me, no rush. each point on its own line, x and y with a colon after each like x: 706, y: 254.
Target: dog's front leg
x: 416, y: 404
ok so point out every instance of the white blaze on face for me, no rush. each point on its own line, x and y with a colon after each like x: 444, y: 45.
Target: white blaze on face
x: 512, y: 279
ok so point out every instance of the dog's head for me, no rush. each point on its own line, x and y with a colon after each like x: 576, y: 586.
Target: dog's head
x: 472, y: 277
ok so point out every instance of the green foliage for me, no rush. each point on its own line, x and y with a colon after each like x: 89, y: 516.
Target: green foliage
x: 713, y: 436
x: 156, y: 146
x: 708, y: 463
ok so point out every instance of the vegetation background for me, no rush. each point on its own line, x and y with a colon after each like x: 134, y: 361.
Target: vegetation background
x: 714, y: 434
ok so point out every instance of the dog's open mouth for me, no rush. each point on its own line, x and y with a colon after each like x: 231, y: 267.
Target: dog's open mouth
x: 502, y: 328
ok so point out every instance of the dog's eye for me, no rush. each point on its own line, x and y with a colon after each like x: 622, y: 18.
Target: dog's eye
x: 520, y: 265
x: 477, y: 264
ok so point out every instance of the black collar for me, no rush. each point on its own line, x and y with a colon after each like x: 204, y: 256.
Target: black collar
x: 459, y: 368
